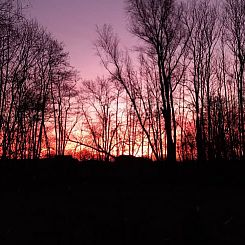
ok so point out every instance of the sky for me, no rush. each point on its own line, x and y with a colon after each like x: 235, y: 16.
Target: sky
x: 73, y: 22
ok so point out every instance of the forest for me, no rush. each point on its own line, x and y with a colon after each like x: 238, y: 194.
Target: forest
x: 178, y: 95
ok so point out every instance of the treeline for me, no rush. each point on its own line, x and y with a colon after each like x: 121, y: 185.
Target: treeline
x: 37, y: 87
x: 178, y: 95
x: 181, y: 96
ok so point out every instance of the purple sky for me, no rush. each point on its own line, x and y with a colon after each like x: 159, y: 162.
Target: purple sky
x: 73, y: 22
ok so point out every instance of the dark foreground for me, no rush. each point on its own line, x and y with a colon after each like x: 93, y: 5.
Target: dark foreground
x: 64, y: 202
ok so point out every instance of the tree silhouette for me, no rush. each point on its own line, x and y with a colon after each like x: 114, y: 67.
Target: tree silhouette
x: 31, y: 64
x: 181, y: 96
x: 234, y: 24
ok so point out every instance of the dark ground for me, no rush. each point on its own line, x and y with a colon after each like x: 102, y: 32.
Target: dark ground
x: 61, y: 201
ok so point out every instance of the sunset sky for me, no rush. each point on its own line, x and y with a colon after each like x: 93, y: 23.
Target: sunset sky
x: 74, y: 23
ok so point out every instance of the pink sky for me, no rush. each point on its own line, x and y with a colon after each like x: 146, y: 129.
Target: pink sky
x: 73, y: 22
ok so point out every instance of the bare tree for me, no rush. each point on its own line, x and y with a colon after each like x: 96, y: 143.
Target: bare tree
x: 234, y: 23
x: 30, y: 62
x: 159, y: 25
x: 202, y: 22
x: 120, y: 69
x: 99, y: 105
